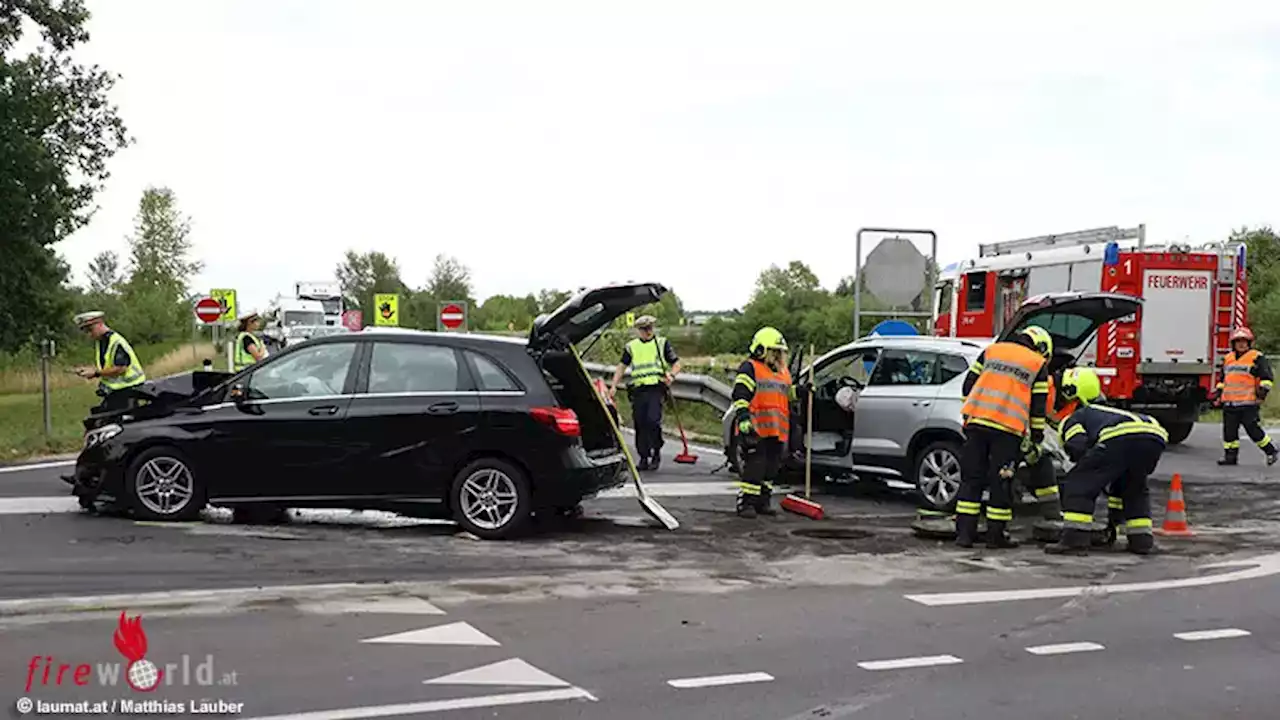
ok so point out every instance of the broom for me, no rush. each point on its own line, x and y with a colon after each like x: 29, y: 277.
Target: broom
x: 686, y: 457
x: 804, y: 505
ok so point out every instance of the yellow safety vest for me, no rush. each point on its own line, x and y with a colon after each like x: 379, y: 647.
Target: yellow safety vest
x: 134, y: 375
x: 244, y: 359
x: 648, y: 363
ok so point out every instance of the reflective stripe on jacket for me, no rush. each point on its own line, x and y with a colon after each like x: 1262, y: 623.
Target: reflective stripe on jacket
x: 770, y: 406
x: 1001, y: 398
x: 133, y: 376
x: 647, y: 363
x: 1095, y: 424
x: 242, y: 358
x: 1239, y: 385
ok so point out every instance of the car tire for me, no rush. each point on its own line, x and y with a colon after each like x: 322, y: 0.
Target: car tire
x: 1179, y: 431
x: 492, y: 499
x: 936, y: 471
x: 160, y: 484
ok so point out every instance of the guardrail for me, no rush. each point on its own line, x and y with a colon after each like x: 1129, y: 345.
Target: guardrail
x: 694, y: 388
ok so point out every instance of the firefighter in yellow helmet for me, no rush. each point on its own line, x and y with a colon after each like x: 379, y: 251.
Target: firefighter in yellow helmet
x: 1246, y: 380
x: 1112, y: 449
x: 762, y: 395
x: 1006, y: 391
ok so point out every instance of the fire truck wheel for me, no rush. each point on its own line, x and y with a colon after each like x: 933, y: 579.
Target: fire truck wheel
x: 1179, y: 431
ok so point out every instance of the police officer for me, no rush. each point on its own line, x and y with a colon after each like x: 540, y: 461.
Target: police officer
x: 1246, y: 381
x: 116, y: 365
x: 762, y: 395
x: 1111, y: 448
x: 654, y: 364
x: 1006, y: 392
x: 249, y: 347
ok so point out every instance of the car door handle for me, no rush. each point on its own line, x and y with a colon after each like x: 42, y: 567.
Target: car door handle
x: 443, y: 408
x: 323, y: 410
x: 922, y: 403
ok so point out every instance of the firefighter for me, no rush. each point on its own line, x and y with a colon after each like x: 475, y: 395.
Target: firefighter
x: 654, y: 365
x: 762, y: 395
x: 249, y: 347
x: 116, y: 364
x: 1111, y: 448
x: 1246, y: 381
x: 1042, y: 477
x: 1006, y: 391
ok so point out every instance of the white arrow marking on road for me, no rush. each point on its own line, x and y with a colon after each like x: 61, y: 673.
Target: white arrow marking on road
x: 512, y: 672
x: 434, y: 706
x: 458, y: 633
x: 1261, y: 566
x: 387, y: 605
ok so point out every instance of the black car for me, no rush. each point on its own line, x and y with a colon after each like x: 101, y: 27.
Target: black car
x: 486, y: 430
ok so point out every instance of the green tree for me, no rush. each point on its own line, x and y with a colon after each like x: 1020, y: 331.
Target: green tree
x: 155, y: 300
x: 104, y: 274
x: 1262, y: 268
x: 57, y: 132
x: 361, y: 275
x: 506, y: 312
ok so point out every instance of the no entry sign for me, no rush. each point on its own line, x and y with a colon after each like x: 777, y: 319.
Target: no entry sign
x: 208, y: 310
x: 452, y: 316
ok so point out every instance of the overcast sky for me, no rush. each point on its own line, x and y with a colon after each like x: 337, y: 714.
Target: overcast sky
x: 555, y: 144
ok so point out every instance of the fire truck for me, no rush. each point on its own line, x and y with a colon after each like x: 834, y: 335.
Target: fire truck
x: 1164, y: 358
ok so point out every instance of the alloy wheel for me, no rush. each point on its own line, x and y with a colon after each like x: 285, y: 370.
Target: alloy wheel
x: 165, y: 485
x: 940, y: 476
x: 489, y: 498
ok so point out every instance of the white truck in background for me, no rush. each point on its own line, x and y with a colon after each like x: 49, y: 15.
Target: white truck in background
x: 290, y: 320
x: 327, y: 293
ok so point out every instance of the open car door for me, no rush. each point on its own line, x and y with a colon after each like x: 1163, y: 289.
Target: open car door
x: 800, y: 405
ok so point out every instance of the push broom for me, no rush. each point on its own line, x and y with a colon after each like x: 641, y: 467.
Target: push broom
x: 686, y: 457
x: 803, y: 505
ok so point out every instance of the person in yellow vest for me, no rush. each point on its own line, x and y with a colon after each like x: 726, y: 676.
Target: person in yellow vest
x: 654, y: 364
x: 762, y: 395
x: 116, y: 365
x: 1006, y: 394
x: 1246, y: 380
x: 249, y: 347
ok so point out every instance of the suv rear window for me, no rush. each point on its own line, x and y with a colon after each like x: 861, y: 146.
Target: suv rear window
x: 492, y: 377
x: 1068, y: 329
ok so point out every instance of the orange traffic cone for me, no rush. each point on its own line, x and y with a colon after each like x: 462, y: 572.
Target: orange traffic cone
x: 1175, y: 515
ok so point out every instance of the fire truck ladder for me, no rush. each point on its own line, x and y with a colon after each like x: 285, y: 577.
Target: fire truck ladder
x: 1071, y: 239
x: 1229, y: 302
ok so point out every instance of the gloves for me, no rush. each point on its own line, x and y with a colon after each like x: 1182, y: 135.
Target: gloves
x: 745, y: 427
x: 1030, y: 450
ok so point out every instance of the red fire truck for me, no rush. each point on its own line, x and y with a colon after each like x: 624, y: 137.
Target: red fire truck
x: 1161, y: 360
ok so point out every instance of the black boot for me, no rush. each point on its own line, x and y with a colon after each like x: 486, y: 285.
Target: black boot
x: 997, y: 536
x: 1272, y: 454
x: 656, y: 461
x: 1230, y: 457
x: 643, y: 464
x: 746, y: 507
x: 765, y: 505
x: 966, y: 530
x: 1074, y: 542
x: 1142, y: 544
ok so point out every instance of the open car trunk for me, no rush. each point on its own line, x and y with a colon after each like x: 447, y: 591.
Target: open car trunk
x: 1072, y: 319
x: 575, y: 392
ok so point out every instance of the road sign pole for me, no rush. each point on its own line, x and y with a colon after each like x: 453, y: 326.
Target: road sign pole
x: 46, y: 352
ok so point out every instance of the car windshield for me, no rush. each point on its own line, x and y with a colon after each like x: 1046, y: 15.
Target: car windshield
x: 1069, y: 330
x: 294, y: 318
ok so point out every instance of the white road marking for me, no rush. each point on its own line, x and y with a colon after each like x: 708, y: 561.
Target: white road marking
x: 458, y: 633
x: 434, y: 706
x: 37, y: 466
x: 1212, y: 634
x: 1064, y: 648
x: 382, y: 605
x: 911, y: 662
x: 718, y: 680
x: 38, y: 505
x: 1261, y: 566
x: 514, y: 672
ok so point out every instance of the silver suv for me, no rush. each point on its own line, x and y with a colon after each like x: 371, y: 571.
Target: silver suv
x: 906, y: 429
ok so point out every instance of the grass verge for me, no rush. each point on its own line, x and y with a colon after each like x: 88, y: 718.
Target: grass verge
x: 22, y: 413
x: 701, y: 421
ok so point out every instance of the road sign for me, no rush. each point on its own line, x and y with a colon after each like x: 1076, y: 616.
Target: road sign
x: 386, y: 308
x: 453, y: 315
x: 631, y: 319
x: 208, y: 310
x: 227, y: 299
x: 895, y: 271
x: 353, y: 320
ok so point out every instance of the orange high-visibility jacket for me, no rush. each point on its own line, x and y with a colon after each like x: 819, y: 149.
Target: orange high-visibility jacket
x: 770, y: 406
x: 1010, y: 390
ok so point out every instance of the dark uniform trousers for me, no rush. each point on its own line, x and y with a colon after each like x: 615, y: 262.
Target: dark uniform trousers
x: 646, y: 416
x: 1246, y: 416
x: 111, y: 401
x: 762, y: 463
x: 987, y: 450
x: 1121, y: 467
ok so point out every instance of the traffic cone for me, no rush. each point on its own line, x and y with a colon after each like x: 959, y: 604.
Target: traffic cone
x: 1175, y: 514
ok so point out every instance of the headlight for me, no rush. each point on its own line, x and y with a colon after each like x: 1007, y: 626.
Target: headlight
x: 97, y: 436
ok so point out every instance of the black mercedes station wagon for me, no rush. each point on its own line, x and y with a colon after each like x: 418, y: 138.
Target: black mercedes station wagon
x: 485, y: 430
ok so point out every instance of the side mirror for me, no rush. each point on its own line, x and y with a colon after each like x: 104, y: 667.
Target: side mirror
x: 238, y: 393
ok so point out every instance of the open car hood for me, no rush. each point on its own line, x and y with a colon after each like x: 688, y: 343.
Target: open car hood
x: 589, y: 311
x: 159, y: 396
x: 1071, y: 318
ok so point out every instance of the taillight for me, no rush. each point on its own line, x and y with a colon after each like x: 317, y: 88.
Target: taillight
x: 561, y: 420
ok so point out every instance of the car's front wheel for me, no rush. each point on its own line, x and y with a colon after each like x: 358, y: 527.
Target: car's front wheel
x: 937, y: 473
x: 492, y: 499
x: 160, y: 484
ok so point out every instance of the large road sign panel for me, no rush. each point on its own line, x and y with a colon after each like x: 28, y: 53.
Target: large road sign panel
x: 386, y: 310
x: 896, y: 271
x: 226, y: 297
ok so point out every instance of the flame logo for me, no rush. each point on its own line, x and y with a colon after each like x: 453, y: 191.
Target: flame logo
x: 131, y: 640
